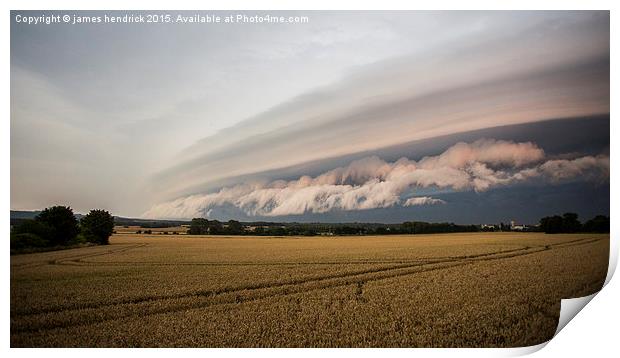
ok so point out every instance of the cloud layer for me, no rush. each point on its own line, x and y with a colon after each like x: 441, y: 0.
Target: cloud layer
x: 372, y: 183
x: 513, y: 73
x: 126, y: 117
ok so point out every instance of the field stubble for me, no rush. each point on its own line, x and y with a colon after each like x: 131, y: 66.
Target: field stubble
x: 454, y: 290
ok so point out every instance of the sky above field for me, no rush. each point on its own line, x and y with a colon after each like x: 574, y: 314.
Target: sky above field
x: 335, y: 119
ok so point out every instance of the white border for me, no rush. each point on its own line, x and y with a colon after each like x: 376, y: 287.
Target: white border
x: 594, y: 330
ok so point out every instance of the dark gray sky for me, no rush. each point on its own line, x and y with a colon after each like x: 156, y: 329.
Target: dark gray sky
x: 134, y: 118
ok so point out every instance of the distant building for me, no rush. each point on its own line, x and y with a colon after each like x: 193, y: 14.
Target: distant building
x: 488, y: 227
x: 516, y: 227
x: 254, y: 228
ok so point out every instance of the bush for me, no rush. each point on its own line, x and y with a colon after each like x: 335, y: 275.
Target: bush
x: 79, y: 239
x: 63, y: 224
x: 97, y: 226
x: 27, y: 240
x: 37, y: 228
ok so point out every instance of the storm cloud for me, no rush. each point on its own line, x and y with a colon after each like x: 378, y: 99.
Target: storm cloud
x: 516, y: 74
x: 142, y: 118
x: 372, y: 183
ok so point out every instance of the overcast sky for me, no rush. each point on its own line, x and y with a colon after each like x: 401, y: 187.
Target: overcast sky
x: 138, y: 118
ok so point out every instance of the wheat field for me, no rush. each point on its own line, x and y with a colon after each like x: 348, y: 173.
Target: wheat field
x: 452, y: 290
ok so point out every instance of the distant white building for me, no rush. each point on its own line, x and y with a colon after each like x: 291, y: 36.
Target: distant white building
x: 516, y: 227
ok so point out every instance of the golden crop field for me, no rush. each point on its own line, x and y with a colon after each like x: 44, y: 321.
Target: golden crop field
x: 453, y: 290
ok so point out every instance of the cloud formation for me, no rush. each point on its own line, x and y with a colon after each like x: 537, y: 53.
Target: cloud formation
x: 372, y: 183
x: 517, y: 72
x: 147, y: 114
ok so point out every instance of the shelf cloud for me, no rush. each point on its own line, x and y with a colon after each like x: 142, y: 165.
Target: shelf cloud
x: 276, y: 120
x: 540, y: 70
x: 372, y: 183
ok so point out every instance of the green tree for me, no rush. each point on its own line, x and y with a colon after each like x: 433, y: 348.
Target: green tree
x: 570, y: 222
x: 215, y: 227
x: 63, y: 224
x: 599, y: 223
x: 97, y: 226
x: 234, y: 228
x: 551, y: 224
x: 199, y: 226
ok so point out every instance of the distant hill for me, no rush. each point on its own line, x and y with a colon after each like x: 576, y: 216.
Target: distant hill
x: 20, y: 215
x: 148, y: 223
x: 17, y: 216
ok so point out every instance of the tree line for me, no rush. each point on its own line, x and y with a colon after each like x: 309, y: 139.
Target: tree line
x: 57, y: 226
x: 201, y: 226
x: 569, y: 223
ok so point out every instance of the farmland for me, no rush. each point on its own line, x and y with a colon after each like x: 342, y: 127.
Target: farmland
x: 452, y: 290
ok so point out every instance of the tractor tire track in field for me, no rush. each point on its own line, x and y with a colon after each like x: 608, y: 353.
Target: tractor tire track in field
x: 80, y: 260
x: 113, y: 250
x: 394, y: 265
x: 66, y: 317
